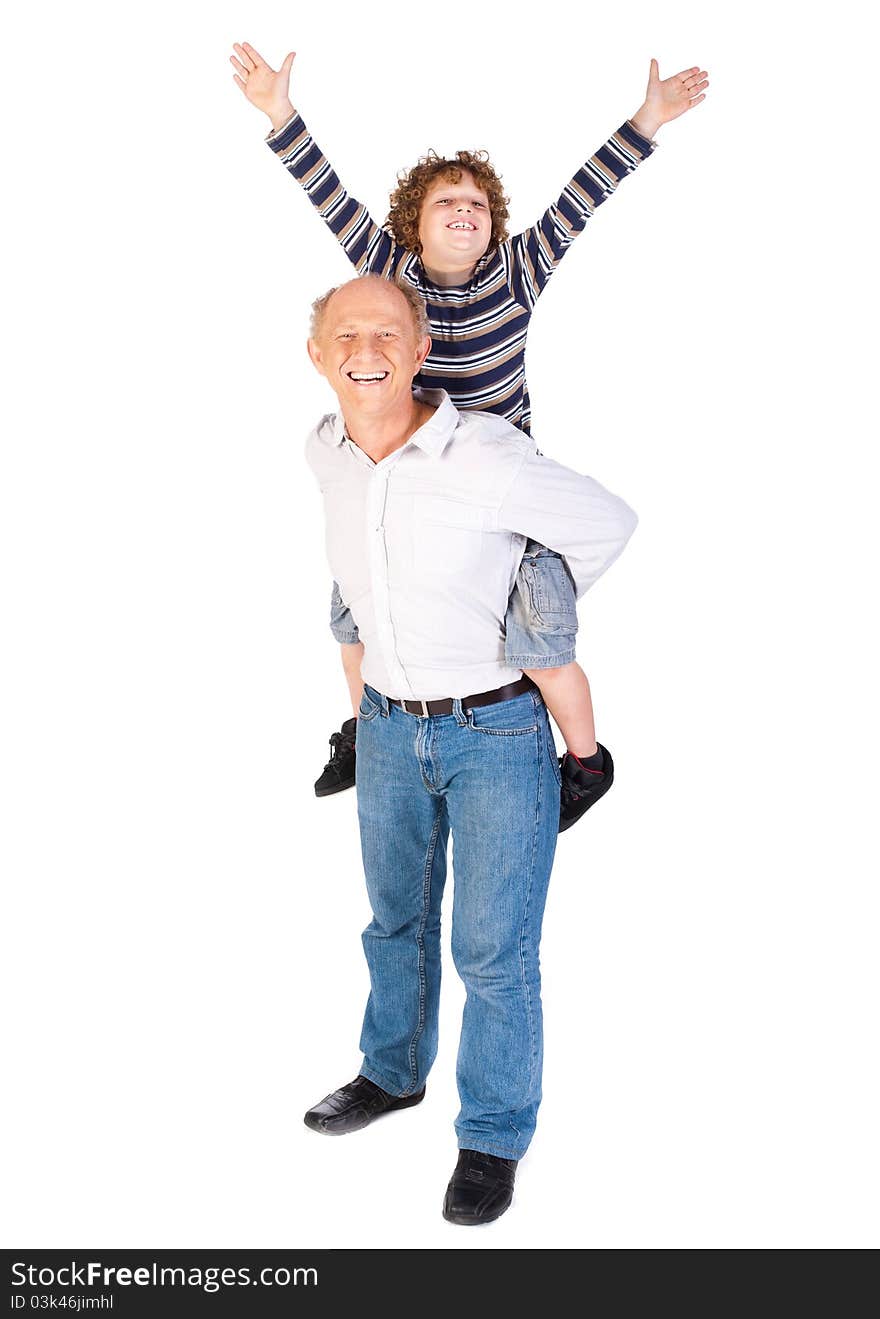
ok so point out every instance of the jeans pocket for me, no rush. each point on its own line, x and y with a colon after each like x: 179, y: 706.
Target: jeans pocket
x: 505, y: 718
x: 549, y: 589
x: 368, y: 709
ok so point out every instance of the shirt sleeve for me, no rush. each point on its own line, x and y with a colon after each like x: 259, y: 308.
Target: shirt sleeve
x: 537, y: 251
x: 368, y: 247
x: 569, y: 513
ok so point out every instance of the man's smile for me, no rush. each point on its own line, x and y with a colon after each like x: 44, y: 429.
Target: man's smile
x: 367, y: 377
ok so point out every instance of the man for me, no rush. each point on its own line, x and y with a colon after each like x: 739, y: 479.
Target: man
x: 428, y: 511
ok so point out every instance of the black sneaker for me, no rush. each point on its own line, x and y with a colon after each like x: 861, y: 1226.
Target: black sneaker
x: 582, y: 787
x: 339, y: 770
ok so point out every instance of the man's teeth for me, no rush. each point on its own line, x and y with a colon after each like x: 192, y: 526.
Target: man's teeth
x: 368, y: 375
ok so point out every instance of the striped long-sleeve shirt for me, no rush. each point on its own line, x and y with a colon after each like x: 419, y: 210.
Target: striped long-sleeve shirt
x: 478, y: 329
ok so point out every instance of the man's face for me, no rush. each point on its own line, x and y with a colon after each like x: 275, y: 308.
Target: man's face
x: 455, y: 224
x: 368, y: 348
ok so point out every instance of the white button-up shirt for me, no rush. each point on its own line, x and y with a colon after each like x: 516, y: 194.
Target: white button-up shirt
x: 426, y: 544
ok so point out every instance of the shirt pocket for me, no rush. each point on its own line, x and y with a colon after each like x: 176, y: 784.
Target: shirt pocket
x: 448, y: 536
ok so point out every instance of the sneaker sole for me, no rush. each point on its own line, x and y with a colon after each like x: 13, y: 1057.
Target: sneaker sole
x: 331, y: 792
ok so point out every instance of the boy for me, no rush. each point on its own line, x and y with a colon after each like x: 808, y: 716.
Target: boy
x: 445, y: 236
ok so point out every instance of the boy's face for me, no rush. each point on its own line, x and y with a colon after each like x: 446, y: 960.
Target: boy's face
x: 455, y: 224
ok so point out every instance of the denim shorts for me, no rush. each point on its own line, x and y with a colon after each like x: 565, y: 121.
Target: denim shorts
x: 541, y: 621
x: 342, y: 625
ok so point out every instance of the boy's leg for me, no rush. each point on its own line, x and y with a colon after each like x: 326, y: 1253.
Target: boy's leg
x: 541, y: 626
x: 540, y: 630
x: 566, y: 693
x: 352, y: 657
x: 339, y: 771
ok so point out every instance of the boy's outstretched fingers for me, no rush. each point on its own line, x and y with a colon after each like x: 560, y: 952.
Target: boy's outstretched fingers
x: 244, y: 66
x: 265, y: 88
x: 248, y: 63
x: 694, y: 82
x: 668, y: 98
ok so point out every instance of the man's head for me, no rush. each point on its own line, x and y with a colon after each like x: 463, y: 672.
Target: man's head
x: 369, y: 337
x: 449, y: 210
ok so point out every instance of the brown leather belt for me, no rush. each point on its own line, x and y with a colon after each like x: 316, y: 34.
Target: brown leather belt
x: 468, y: 702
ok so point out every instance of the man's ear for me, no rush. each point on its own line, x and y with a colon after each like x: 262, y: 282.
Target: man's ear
x: 315, y: 355
x: 424, y: 347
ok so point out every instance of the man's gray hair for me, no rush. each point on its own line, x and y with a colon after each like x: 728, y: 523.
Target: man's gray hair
x: 413, y: 299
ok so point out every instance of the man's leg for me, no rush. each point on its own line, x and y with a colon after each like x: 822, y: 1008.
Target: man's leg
x: 502, y: 788
x: 404, y: 830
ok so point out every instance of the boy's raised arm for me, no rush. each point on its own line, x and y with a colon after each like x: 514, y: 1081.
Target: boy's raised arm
x: 366, y: 245
x: 538, y: 250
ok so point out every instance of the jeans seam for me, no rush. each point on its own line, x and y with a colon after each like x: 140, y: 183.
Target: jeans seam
x: 420, y: 942
x: 522, y: 934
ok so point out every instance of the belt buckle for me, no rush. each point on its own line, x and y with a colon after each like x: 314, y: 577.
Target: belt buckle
x: 424, y: 705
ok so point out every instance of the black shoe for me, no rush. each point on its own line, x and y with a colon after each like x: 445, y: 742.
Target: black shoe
x: 582, y: 788
x: 339, y: 770
x: 355, y: 1106
x: 481, y: 1188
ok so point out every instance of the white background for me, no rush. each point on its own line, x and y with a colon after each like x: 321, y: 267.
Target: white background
x: 182, y: 960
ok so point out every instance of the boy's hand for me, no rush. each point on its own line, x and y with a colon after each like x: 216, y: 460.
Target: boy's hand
x: 670, y: 98
x: 267, y: 90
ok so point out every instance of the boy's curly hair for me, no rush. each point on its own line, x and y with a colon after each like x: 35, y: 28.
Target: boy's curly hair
x: 407, y: 198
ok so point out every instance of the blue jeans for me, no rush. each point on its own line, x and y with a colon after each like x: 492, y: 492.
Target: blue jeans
x: 491, y: 777
x: 541, y: 622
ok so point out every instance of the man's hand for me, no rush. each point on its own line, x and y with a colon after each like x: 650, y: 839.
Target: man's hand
x: 265, y: 88
x: 670, y: 98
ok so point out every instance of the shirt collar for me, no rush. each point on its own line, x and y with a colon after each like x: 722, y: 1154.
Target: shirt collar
x: 433, y: 437
x: 415, y: 271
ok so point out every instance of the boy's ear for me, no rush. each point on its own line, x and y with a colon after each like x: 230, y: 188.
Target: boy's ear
x: 315, y: 355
